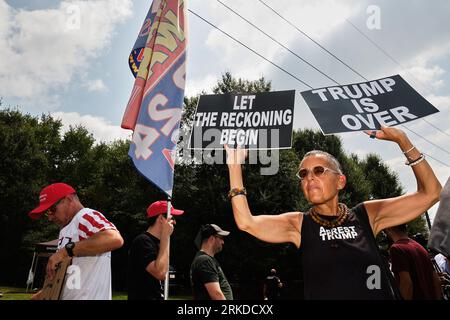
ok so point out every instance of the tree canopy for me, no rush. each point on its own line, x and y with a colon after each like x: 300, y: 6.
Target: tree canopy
x: 35, y: 153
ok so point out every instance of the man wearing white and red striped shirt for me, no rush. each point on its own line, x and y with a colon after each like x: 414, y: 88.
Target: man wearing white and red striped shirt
x: 87, y: 236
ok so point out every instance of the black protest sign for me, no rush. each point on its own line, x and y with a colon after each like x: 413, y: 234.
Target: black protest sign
x: 251, y: 121
x: 366, y: 106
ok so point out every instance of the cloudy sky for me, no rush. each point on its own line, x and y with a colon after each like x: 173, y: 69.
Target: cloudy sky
x: 69, y: 58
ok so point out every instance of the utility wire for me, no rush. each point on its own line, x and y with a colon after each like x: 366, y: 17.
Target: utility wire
x: 427, y: 140
x: 341, y: 61
x: 448, y: 135
x: 290, y: 74
x: 310, y: 38
x: 279, y: 43
x: 258, y: 54
x: 352, y: 69
x: 397, y: 63
x: 431, y: 157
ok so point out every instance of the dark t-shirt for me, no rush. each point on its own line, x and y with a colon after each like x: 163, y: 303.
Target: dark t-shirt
x: 206, y: 269
x: 272, y: 287
x: 141, y: 284
x: 343, y: 263
x: 408, y: 255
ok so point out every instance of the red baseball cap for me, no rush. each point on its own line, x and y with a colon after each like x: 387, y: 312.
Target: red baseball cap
x: 49, y: 196
x: 160, y: 207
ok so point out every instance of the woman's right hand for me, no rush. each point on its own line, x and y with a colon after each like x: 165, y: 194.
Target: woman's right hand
x: 388, y: 133
x: 235, y: 156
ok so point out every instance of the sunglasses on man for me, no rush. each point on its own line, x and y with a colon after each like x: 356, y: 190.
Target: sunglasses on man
x: 52, y: 210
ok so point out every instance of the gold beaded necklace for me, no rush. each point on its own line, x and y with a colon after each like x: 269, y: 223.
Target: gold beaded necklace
x: 343, y: 215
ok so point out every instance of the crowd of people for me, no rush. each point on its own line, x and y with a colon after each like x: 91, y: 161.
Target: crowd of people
x: 340, y: 255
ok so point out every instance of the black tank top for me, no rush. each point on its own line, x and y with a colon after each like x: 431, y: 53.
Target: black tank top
x: 343, y: 262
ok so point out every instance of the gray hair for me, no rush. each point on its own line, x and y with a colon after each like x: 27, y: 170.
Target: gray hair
x: 330, y: 158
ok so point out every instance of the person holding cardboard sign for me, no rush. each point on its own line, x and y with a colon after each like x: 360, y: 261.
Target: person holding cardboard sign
x: 340, y: 255
x: 86, y: 236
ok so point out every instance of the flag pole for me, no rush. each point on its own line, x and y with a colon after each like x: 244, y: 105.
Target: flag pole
x: 427, y: 216
x: 166, y: 281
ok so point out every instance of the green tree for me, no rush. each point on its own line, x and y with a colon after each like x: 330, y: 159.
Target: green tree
x: 229, y: 84
x: 207, y: 187
x: 384, y: 183
x: 26, y: 161
x: 36, y: 153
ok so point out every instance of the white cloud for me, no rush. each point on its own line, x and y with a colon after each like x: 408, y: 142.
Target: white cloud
x: 440, y: 102
x: 42, y: 50
x: 422, y: 77
x: 196, y: 86
x: 96, y: 85
x: 102, y: 129
x: 317, y: 18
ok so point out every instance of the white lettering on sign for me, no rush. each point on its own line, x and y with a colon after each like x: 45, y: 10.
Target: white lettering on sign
x: 206, y: 119
x: 243, y: 102
x: 239, y: 137
x: 390, y: 117
x: 368, y: 105
x: 256, y: 119
x: 356, y: 91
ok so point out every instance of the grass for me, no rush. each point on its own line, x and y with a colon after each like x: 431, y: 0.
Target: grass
x: 11, y: 293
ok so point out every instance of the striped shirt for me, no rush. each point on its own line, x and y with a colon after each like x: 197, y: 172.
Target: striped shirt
x: 88, y: 278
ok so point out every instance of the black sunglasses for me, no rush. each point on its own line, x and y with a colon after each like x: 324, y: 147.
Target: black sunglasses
x: 52, y: 209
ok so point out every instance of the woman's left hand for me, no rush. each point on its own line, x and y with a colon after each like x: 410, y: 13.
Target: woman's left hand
x: 387, y: 133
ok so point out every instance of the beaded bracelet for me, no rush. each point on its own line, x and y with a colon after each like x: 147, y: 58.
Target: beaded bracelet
x: 416, y: 162
x: 237, y: 192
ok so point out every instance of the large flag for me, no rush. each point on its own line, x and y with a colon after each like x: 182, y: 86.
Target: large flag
x: 158, y: 62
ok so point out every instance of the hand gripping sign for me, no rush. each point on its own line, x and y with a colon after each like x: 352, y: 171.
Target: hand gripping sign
x: 367, y: 106
x: 252, y: 121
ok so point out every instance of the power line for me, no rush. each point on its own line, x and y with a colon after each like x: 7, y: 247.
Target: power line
x: 448, y: 135
x: 356, y: 72
x: 258, y: 54
x: 279, y: 43
x: 427, y: 140
x: 340, y: 60
x: 287, y: 72
x: 397, y: 63
x: 310, y: 38
x: 373, y: 42
x: 444, y: 164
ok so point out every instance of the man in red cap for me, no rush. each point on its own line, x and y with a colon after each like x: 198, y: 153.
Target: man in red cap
x: 86, y: 235
x: 149, y: 254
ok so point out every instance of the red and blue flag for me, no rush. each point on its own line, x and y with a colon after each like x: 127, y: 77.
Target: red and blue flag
x: 158, y: 62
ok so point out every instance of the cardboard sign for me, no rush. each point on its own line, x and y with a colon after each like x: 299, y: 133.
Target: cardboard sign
x: 52, y: 289
x: 252, y: 121
x: 366, y: 106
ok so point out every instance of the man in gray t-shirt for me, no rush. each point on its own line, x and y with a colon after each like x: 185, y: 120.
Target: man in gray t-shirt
x: 208, y: 281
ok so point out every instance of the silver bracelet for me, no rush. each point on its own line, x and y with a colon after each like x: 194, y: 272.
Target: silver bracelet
x: 413, y: 147
x: 416, y: 162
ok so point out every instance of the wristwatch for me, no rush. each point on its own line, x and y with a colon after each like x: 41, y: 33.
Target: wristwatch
x: 69, y: 248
